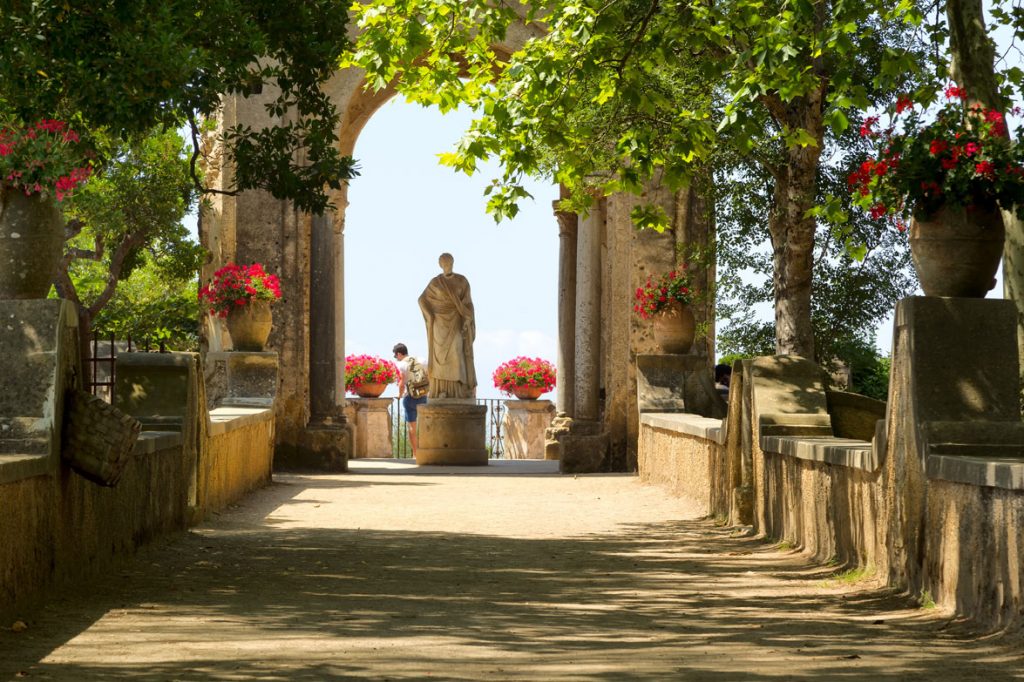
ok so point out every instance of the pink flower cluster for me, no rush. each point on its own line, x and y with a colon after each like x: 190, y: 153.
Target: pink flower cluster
x: 236, y: 285
x: 524, y: 371
x: 361, y: 370
x: 44, y: 158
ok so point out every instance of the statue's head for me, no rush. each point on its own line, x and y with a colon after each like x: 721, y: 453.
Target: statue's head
x: 446, y: 261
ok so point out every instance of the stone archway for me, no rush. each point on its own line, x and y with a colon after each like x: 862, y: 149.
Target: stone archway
x: 602, y: 260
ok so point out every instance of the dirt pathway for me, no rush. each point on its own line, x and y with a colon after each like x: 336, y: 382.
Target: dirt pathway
x: 393, y: 573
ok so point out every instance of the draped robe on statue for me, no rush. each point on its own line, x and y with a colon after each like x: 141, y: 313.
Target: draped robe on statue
x: 451, y: 328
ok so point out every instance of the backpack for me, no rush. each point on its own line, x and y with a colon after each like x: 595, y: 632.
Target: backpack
x: 418, y: 383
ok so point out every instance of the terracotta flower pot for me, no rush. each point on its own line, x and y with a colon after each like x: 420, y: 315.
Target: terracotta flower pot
x: 674, y: 328
x: 249, y: 325
x: 527, y: 392
x: 31, y: 244
x: 956, y: 252
x: 371, y: 390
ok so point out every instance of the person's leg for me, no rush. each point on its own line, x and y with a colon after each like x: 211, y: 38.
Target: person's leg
x: 410, y: 404
x: 412, y: 437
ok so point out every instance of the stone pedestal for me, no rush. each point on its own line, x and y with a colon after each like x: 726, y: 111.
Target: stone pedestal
x: 451, y: 432
x: 677, y: 383
x: 582, y: 447
x: 250, y: 378
x: 524, y: 425
x: 373, y: 427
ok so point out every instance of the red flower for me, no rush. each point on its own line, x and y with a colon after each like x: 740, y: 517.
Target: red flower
x: 903, y: 103
x: 985, y: 168
x: 865, y: 128
x: 953, y: 92
x: 877, y: 211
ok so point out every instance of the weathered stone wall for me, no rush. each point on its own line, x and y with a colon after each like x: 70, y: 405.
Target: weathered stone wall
x: 63, y: 528
x: 687, y: 465
x: 236, y: 457
x: 832, y: 513
x: 58, y: 527
x: 629, y: 257
x: 932, y: 504
x: 973, y: 549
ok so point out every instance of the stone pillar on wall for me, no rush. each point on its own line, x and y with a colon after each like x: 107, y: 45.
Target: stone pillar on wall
x: 588, y: 318
x: 568, y: 228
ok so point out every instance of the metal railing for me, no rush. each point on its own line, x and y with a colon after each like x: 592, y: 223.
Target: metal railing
x: 401, y: 448
x: 103, y: 362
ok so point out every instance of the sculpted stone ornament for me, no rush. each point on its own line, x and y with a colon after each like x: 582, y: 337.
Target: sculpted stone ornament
x: 451, y: 328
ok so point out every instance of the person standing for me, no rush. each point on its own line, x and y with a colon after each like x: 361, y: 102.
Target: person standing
x: 451, y: 329
x: 405, y: 364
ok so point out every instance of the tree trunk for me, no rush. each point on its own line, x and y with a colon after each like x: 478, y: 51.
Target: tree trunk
x: 793, y: 254
x: 973, y: 68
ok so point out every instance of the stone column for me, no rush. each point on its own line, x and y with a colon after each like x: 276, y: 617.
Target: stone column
x: 327, y: 314
x: 568, y: 228
x: 323, y: 372
x: 588, y: 317
x: 327, y: 440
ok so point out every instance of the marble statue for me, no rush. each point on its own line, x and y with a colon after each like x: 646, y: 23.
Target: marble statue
x: 451, y: 328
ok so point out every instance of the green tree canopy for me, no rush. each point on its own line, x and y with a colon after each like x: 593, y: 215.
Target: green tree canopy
x: 651, y: 88
x: 128, y: 66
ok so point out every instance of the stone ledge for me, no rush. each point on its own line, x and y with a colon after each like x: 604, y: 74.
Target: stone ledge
x: 979, y: 471
x: 227, y: 418
x: 17, y: 467
x: 689, y: 424
x: 847, y: 452
x: 155, y: 441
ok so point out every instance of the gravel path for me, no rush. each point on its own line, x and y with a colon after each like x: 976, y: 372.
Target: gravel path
x: 509, y: 573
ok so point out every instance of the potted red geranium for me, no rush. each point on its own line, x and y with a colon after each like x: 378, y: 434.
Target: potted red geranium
x: 242, y: 294
x: 944, y: 174
x: 40, y: 165
x: 666, y: 300
x: 368, y: 376
x: 525, y: 378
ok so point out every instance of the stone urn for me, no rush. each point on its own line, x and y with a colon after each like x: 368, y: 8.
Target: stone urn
x: 370, y: 390
x: 249, y: 325
x: 527, y: 392
x: 956, y: 252
x: 31, y: 244
x: 674, y: 328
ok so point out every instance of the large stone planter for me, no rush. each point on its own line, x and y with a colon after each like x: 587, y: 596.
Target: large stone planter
x: 31, y: 244
x: 674, y: 328
x: 957, y: 252
x: 451, y: 432
x: 373, y: 427
x: 249, y: 325
x: 524, y: 425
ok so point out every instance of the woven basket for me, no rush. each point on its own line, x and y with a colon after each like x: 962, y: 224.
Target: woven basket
x: 98, y: 438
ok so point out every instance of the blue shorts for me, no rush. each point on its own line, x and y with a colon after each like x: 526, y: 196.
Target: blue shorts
x: 410, y: 404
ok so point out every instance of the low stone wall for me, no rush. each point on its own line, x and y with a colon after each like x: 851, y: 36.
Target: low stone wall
x: 237, y: 456
x: 974, y: 559
x: 832, y: 512
x: 954, y: 534
x: 59, y: 527
x: 682, y: 453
